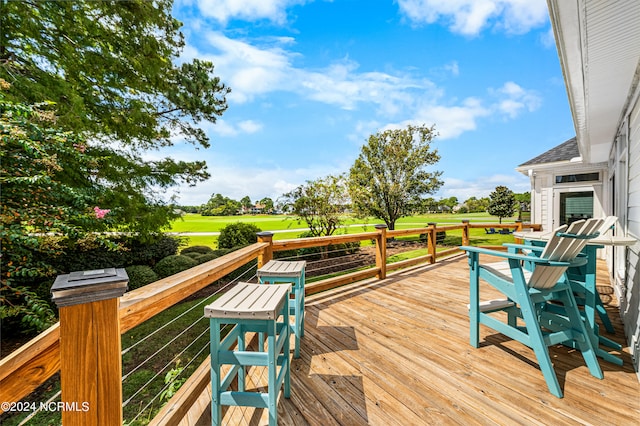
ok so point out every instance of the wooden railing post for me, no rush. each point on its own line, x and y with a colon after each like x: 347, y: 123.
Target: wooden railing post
x: 381, y: 251
x: 518, y: 229
x: 431, y: 241
x: 267, y: 253
x: 465, y: 232
x: 90, y: 346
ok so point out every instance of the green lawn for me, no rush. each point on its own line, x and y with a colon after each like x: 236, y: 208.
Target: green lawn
x: 197, y: 223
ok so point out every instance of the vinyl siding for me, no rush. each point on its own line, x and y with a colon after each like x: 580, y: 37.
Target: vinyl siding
x: 630, y: 310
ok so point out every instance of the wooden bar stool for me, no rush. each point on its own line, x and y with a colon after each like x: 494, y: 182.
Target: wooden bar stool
x: 250, y: 308
x: 278, y: 271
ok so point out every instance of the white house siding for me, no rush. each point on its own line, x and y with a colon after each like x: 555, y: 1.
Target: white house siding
x: 630, y: 305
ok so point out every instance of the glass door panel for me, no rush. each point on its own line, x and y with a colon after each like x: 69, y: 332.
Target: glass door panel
x: 575, y: 206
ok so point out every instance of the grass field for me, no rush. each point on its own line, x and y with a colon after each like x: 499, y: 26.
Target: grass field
x: 197, y: 223
x: 287, y: 227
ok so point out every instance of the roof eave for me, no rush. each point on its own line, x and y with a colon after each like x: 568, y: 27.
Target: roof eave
x: 565, y: 21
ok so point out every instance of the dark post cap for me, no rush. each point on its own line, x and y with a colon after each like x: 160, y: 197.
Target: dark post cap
x: 89, y: 286
x: 380, y: 226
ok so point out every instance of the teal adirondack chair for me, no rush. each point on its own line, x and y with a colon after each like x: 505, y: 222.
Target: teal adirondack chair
x: 578, y: 275
x: 528, y: 292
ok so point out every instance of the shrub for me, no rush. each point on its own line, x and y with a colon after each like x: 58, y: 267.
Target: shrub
x: 213, y: 254
x: 204, y: 258
x: 196, y: 249
x: 84, y: 257
x: 173, y: 264
x: 140, y: 275
x: 149, y: 252
x: 192, y: 254
x: 238, y: 235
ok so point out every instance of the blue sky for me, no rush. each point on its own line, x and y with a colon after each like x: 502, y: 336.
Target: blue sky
x: 311, y: 80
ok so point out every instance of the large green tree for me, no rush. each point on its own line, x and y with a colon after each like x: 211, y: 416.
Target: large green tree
x: 390, y: 179
x: 48, y: 194
x: 218, y: 205
x: 112, y: 69
x: 476, y: 205
x: 268, y: 204
x: 320, y: 204
x: 502, y: 202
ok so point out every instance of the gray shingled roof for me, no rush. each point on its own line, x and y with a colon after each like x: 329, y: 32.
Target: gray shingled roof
x: 563, y: 152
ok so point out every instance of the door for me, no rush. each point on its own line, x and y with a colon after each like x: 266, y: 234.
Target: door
x: 576, y: 203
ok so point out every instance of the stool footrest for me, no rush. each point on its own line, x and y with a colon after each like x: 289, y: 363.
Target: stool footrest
x: 246, y: 399
x: 243, y: 358
x: 246, y: 358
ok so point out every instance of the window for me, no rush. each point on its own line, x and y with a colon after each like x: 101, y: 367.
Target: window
x: 575, y: 206
x: 583, y: 177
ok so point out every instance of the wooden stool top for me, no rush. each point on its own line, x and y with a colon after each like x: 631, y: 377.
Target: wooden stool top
x: 282, y: 268
x: 249, y: 301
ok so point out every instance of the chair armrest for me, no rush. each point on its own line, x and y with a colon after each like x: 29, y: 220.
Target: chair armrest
x: 524, y: 247
x: 514, y: 256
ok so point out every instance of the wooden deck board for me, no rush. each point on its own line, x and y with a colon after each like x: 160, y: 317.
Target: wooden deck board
x: 397, y: 351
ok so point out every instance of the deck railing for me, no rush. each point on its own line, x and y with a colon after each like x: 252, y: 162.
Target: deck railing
x: 25, y: 369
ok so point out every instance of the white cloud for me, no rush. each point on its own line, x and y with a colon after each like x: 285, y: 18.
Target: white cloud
x: 470, y: 17
x: 342, y: 85
x: 451, y: 121
x: 223, y: 128
x: 515, y: 99
x: 250, y: 126
x: 362, y: 131
x: 249, y: 10
x: 249, y: 70
x: 453, y: 68
x: 483, y: 186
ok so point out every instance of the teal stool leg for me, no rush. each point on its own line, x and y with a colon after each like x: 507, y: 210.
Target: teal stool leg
x: 272, y: 363
x: 584, y: 343
x: 296, y: 307
x: 242, y: 370
x: 302, y: 278
x: 286, y: 362
x: 216, y: 412
x: 474, y: 300
x: 602, y: 313
x: 298, y: 318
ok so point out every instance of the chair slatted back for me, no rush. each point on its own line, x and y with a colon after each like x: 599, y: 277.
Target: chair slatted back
x: 608, y: 222
x: 562, y: 248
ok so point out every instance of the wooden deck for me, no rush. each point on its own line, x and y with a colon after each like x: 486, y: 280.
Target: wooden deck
x: 397, y: 352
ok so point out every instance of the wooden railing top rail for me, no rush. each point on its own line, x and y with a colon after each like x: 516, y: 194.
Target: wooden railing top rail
x: 299, y: 243
x: 450, y: 227
x: 408, y: 231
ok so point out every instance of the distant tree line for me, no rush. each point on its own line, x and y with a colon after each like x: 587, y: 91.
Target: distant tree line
x: 220, y: 205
